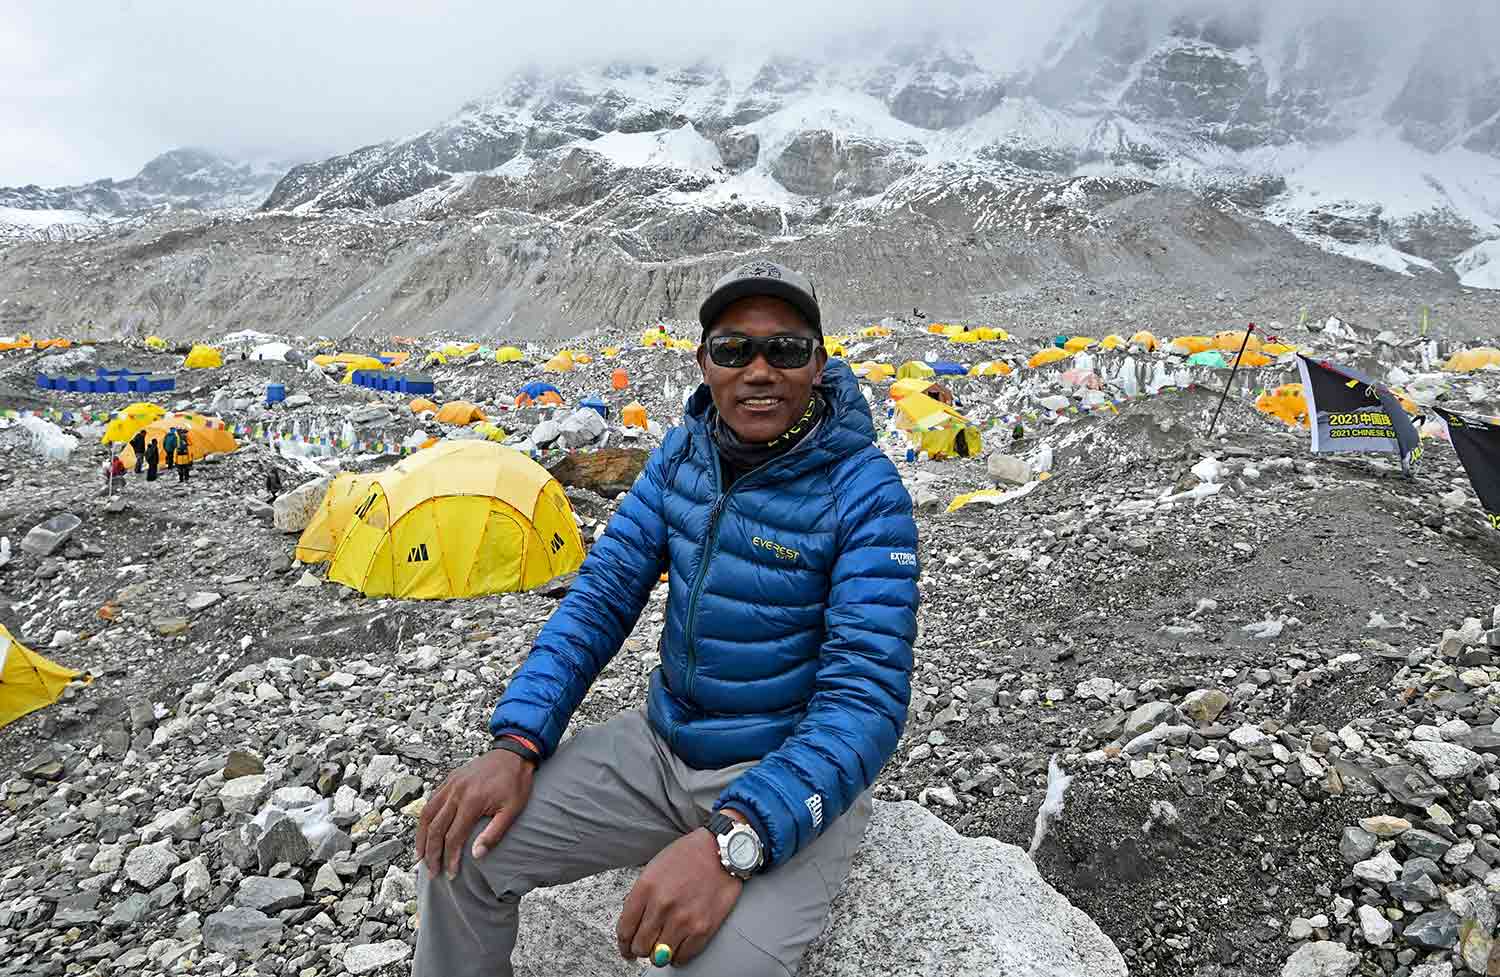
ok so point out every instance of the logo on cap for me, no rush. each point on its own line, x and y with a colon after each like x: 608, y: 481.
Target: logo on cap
x: 760, y: 271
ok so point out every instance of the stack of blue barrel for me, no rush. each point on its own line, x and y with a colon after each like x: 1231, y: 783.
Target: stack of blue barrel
x: 393, y: 382
x: 107, y: 381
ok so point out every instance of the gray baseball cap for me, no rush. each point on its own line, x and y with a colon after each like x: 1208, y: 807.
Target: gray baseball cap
x: 762, y: 278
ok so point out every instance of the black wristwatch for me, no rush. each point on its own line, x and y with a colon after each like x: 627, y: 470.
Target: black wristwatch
x: 520, y: 749
x: 740, y: 849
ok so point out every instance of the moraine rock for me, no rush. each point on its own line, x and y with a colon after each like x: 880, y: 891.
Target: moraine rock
x: 295, y: 509
x: 1204, y: 705
x: 1321, y: 959
x: 269, y: 895
x: 244, y: 795
x: 1445, y: 761
x: 1006, y: 921
x: 239, y: 930
x: 366, y: 957
x: 148, y: 866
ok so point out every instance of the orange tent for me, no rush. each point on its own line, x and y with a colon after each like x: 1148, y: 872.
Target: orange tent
x: 634, y: 415
x: 619, y: 380
x: 421, y: 404
x: 459, y: 412
x: 548, y: 398
x: 206, y: 436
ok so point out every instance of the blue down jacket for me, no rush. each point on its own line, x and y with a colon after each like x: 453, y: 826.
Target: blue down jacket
x: 790, y: 617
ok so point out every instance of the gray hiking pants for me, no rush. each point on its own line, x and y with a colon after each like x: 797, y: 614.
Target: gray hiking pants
x: 613, y: 796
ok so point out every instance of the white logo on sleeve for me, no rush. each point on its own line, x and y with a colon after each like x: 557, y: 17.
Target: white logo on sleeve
x: 815, y: 808
x: 904, y: 558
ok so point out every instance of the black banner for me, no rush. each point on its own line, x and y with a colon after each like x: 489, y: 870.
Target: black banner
x: 1478, y: 446
x: 1350, y: 412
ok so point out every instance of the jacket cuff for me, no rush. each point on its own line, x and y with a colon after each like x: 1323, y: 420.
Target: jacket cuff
x: 753, y: 819
x: 762, y: 820
x: 496, y: 732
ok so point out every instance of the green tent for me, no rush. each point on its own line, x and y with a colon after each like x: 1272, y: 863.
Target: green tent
x: 1209, y: 358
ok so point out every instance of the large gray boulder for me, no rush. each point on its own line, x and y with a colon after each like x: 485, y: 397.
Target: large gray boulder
x: 920, y: 899
x: 294, y: 510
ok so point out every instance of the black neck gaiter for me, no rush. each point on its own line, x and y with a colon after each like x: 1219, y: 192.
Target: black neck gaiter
x: 739, y: 457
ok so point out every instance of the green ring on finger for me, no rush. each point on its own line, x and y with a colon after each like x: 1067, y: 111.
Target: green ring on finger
x: 661, y: 955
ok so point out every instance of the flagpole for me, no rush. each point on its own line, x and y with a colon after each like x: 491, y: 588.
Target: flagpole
x: 1234, y: 370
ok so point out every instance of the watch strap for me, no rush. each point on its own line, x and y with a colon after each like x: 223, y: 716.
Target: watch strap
x: 720, y: 824
x: 512, y: 745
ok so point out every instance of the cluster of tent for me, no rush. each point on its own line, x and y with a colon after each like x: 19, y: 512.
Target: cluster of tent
x: 24, y: 341
x: 206, y: 435
x: 460, y: 519
x: 1469, y: 360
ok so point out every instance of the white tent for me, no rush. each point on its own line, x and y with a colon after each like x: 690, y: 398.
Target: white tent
x: 271, y: 351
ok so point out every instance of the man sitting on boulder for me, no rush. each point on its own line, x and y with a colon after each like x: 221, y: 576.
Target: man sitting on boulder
x: 786, y: 656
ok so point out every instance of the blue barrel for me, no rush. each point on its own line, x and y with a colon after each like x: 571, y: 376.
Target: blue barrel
x: 122, y: 385
x: 275, y: 393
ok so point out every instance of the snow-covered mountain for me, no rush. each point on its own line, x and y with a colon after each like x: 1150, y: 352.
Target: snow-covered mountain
x: 1380, y: 147
x: 182, y: 179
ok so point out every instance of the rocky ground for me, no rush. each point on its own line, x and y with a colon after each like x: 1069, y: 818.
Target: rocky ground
x: 1269, y: 675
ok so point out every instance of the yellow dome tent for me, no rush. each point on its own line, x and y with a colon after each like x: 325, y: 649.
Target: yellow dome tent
x: 936, y: 428
x: 1229, y: 341
x: 1469, y: 360
x: 1191, y: 345
x: 131, y: 419
x: 203, y: 358
x: 1049, y: 355
x: 965, y: 338
x: 491, y: 432
x: 1277, y: 349
x: 833, y: 346
x: 1144, y: 340
x: 561, y: 363
x: 1286, y: 403
x: 508, y: 354
x: 874, y: 371
x: 459, y: 412
x: 461, y: 519
x: 354, y: 363
x: 422, y: 403
x: 913, y: 369
x: 206, y: 436
x: 28, y: 681
x: 655, y: 337
x: 1112, y: 341
x: 990, y: 368
x: 397, y: 357
x: 1253, y: 359
x: 992, y: 335
x: 156, y: 343
x: 953, y: 329
x: 431, y: 359
x: 936, y: 328
x: 1079, y: 343
x: 321, y: 537
x: 874, y: 332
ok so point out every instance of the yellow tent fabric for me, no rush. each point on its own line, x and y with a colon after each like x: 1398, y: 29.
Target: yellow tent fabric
x: 131, y: 419
x: 1145, y: 340
x: 936, y: 428
x: 990, y: 368
x: 461, y: 519
x: 156, y: 343
x: 508, y: 354
x: 1469, y: 360
x: 914, y: 368
x: 1286, y: 403
x: 431, y: 359
x: 206, y: 436
x: 983, y: 495
x: 655, y: 337
x: 1228, y: 341
x: 1049, y: 355
x: 1079, y: 343
x: 421, y: 404
x: 1252, y: 359
x: 1277, y: 349
x: 323, y: 359
x: 682, y: 345
x: 28, y: 681
x: 874, y: 371
x: 203, y: 358
x: 491, y: 432
x: 936, y: 328
x: 833, y: 346
x: 988, y: 334
x: 397, y: 357
x: 907, y: 387
x: 953, y: 330
x: 610, y: 352
x: 459, y: 412
x: 1112, y: 341
x: 561, y: 363
x: 965, y: 338
x: 874, y: 332
x: 321, y: 537
x: 1189, y: 345
x: 354, y: 363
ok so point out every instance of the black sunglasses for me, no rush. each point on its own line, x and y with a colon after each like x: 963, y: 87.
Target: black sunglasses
x: 782, y: 352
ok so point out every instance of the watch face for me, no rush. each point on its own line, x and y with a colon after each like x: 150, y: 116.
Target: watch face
x: 742, y: 851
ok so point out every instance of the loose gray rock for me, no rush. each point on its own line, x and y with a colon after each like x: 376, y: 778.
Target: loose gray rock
x: 372, y: 956
x: 269, y: 895
x: 148, y: 866
x: 239, y: 930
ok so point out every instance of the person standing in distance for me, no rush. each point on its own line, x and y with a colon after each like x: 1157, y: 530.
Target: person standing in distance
x: 786, y: 657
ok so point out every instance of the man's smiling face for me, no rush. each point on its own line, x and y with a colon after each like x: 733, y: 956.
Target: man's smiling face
x: 759, y: 401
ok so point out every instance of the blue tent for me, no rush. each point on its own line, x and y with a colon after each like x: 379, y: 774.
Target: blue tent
x: 536, y: 388
x: 595, y: 403
x: 946, y: 369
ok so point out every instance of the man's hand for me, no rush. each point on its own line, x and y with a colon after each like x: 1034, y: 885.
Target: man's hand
x: 496, y: 785
x: 681, y: 899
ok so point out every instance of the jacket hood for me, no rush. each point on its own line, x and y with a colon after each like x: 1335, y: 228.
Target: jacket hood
x: 847, y: 429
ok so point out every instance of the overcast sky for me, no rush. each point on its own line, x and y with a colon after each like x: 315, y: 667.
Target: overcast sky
x: 95, y: 88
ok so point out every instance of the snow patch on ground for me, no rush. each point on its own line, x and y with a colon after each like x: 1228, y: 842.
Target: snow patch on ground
x: 42, y: 218
x: 681, y: 148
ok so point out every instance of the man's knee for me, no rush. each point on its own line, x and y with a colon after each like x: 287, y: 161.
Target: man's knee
x: 730, y: 954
